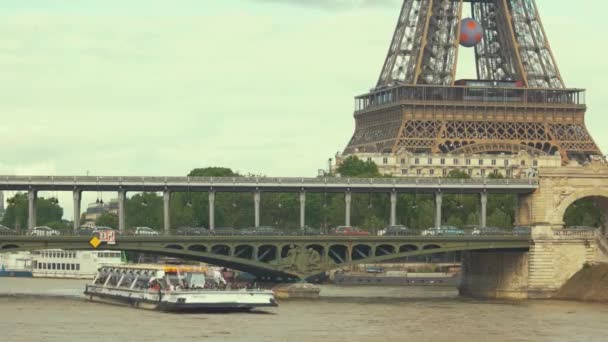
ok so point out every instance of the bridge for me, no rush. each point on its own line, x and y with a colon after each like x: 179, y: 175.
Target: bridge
x: 503, y: 266
x: 257, y: 186
x: 280, y: 257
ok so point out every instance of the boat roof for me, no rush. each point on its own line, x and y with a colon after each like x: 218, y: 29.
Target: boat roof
x: 155, y: 267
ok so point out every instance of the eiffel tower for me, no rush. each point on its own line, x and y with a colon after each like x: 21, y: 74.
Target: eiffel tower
x: 518, y: 102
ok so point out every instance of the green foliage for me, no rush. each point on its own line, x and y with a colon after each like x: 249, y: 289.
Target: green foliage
x: 107, y: 220
x: 357, y: 168
x: 16, y: 213
x: 584, y: 212
x: 495, y: 176
x: 458, y: 174
x: 213, y: 172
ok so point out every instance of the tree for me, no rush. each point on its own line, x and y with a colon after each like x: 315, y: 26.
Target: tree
x: 357, y: 168
x: 16, y: 214
x: 213, y: 172
x: 584, y: 212
x: 458, y: 174
x: 107, y: 220
x: 495, y: 176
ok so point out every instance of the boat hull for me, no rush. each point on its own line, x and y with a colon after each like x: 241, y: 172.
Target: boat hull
x: 203, y: 300
x: 15, y: 273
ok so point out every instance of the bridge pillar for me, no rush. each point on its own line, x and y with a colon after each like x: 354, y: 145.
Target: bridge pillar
x: 484, y: 211
x: 256, y: 204
x: 77, y: 195
x: 438, y: 202
x: 302, y: 209
x: 122, y: 195
x: 393, y: 220
x: 32, y: 196
x: 211, y: 209
x: 167, y: 211
x: 347, y: 201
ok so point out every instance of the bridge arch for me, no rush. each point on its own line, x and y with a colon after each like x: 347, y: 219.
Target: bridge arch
x: 244, y: 251
x: 407, y: 248
x: 198, y: 248
x: 220, y: 249
x: 174, y: 246
x: 590, y: 211
x: 567, y: 199
x: 361, y: 251
x: 385, y: 249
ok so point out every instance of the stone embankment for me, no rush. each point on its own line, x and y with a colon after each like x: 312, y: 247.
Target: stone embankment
x: 588, y: 284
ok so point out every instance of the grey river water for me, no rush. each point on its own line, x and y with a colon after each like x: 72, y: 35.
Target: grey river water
x: 54, y: 310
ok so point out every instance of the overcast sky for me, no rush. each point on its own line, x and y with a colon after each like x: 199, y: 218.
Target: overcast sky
x: 158, y: 87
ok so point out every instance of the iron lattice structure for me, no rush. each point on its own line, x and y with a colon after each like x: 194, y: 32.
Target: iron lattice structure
x: 417, y: 107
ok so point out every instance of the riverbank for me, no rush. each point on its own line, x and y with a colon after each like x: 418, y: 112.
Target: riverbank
x: 590, y: 284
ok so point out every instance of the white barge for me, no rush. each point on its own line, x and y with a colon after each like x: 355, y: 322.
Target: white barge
x: 172, y: 288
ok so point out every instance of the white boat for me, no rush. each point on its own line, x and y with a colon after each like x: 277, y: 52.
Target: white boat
x: 171, y: 288
x: 15, y: 264
x: 58, y: 263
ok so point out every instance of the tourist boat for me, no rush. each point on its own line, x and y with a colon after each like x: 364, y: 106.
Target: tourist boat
x: 15, y: 264
x: 172, y: 288
x: 57, y: 263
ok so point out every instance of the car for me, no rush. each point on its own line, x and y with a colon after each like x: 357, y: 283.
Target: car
x: 192, y: 231
x: 348, y: 230
x: 311, y: 231
x: 522, y: 230
x: 374, y: 269
x: 450, y: 231
x: 397, y: 230
x: 487, y: 231
x: 43, y: 231
x: 85, y: 231
x: 99, y: 229
x: 223, y: 231
x: 262, y: 230
x: 145, y: 231
x: 430, y: 231
x: 443, y: 231
x: 4, y: 230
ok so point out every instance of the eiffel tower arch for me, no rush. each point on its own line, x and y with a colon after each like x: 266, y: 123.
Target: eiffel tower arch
x: 518, y: 103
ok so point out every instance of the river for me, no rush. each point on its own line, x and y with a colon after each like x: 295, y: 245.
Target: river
x: 54, y: 310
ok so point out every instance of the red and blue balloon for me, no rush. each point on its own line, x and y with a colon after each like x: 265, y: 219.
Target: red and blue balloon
x: 471, y: 32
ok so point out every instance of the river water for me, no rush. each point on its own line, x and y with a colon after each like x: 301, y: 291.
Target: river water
x: 54, y: 310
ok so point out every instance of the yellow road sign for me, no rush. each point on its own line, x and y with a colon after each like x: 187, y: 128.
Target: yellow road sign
x: 95, y: 242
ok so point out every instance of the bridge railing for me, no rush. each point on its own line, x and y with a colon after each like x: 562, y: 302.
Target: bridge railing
x: 575, y: 233
x: 249, y: 232
x: 151, y: 181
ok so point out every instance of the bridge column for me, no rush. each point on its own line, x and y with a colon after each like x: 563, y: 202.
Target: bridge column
x: 438, y: 202
x: 484, y: 205
x: 256, y: 204
x: 167, y: 211
x: 211, y: 209
x: 393, y: 220
x: 347, y: 201
x: 32, y: 196
x: 302, y: 209
x: 122, y: 195
x: 77, y: 195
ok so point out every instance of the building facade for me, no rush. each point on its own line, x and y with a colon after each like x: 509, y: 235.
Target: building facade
x: 407, y: 164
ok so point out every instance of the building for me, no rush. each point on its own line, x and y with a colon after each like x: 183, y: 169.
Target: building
x: 1, y: 205
x: 96, y: 209
x: 407, y: 164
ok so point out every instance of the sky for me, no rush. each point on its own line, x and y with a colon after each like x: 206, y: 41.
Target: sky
x: 159, y: 87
